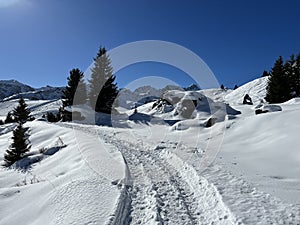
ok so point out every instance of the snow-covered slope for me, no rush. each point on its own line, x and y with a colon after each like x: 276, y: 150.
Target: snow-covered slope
x: 256, y: 89
x: 161, y: 165
x: 76, y: 185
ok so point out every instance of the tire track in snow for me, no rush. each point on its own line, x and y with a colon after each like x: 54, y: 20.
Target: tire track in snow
x: 165, y: 189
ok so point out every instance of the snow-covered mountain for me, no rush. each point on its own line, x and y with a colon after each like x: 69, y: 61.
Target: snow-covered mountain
x: 12, y: 89
x: 191, y: 157
x: 128, y: 99
x: 44, y: 93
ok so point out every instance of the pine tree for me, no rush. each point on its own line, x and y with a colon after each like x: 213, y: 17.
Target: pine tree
x: 75, y: 85
x: 19, y: 146
x: 21, y: 113
x: 222, y: 87
x: 103, y: 89
x: 265, y: 74
x: 278, y: 89
x: 235, y: 87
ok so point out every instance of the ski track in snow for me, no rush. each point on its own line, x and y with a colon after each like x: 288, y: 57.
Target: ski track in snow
x: 164, y: 189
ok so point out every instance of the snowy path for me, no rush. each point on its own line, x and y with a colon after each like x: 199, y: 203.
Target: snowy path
x: 164, y: 189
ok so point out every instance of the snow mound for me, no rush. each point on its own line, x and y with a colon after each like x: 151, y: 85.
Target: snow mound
x: 268, y: 108
x: 256, y: 89
x: 292, y: 101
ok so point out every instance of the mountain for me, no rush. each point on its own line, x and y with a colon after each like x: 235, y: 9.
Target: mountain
x: 44, y: 93
x: 128, y: 99
x: 12, y: 89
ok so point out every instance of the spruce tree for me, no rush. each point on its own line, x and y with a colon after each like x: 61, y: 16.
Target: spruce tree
x: 21, y: 113
x: 235, y: 87
x: 75, y: 85
x: 296, y: 69
x: 222, y: 87
x: 19, y: 146
x: 103, y: 89
x: 278, y: 89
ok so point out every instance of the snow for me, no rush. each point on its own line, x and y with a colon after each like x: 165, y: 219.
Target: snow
x: 161, y: 165
x: 53, y: 189
x: 256, y: 89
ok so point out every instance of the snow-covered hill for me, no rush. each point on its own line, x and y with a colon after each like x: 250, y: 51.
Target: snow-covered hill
x: 160, y: 165
x: 256, y: 89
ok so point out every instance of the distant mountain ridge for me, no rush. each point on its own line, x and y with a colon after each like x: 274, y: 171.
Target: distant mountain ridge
x: 12, y: 89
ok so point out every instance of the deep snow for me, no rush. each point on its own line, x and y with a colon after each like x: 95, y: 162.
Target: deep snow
x: 162, y: 165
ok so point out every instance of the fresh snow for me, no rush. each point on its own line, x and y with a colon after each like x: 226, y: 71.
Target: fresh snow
x: 161, y: 165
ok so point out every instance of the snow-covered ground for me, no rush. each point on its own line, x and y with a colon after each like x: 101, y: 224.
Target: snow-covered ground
x: 76, y: 185
x: 164, y: 165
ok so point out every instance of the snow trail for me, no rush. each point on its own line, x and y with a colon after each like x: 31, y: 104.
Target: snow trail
x: 164, y: 189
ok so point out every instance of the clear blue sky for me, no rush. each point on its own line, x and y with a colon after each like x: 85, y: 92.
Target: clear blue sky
x: 41, y: 40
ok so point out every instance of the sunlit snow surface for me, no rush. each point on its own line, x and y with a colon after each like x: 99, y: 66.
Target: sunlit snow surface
x: 146, y: 171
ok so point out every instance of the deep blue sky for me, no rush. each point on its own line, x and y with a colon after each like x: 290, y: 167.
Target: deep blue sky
x: 41, y: 40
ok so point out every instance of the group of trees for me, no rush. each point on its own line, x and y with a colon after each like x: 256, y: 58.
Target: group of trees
x: 102, y: 87
x: 284, y: 80
x: 101, y: 96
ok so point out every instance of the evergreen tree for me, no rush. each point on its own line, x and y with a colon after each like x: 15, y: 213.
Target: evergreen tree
x: 222, y: 87
x: 103, y: 89
x: 1, y: 122
x: 278, y: 89
x: 9, y: 118
x: 235, y: 87
x: 19, y: 146
x: 21, y: 113
x: 296, y: 70
x: 265, y: 74
x: 75, y: 85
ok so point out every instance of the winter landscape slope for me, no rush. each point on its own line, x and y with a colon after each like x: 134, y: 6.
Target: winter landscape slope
x: 156, y: 167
